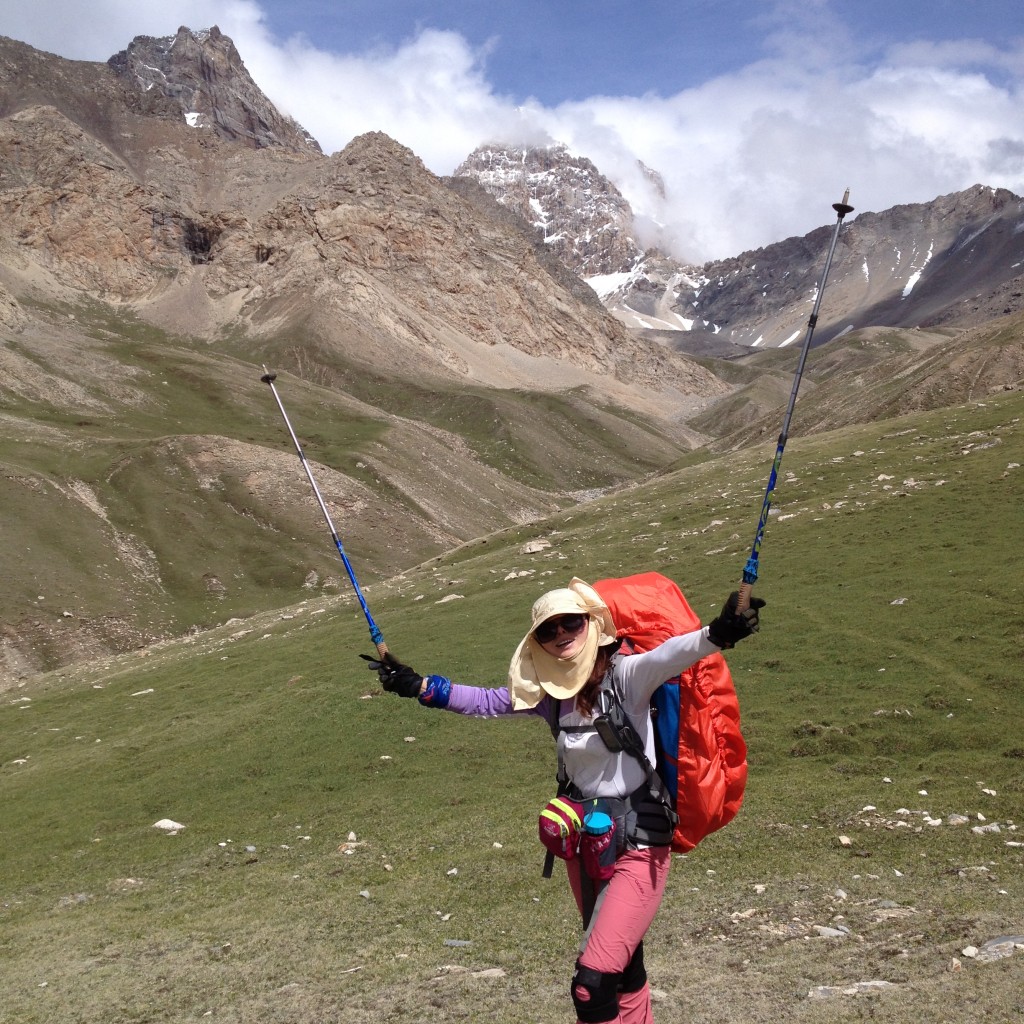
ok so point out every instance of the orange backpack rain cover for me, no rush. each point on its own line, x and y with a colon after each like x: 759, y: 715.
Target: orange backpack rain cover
x: 702, y: 756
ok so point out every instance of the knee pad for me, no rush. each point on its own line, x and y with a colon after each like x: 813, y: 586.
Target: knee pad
x: 595, y: 995
x: 634, y: 977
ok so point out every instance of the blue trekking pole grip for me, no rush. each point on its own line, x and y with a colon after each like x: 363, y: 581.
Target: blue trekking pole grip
x: 750, y: 570
x: 375, y: 634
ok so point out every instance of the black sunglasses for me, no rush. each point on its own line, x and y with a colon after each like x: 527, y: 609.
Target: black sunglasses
x: 570, y: 624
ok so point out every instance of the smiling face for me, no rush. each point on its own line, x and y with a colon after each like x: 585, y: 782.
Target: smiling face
x: 563, y: 636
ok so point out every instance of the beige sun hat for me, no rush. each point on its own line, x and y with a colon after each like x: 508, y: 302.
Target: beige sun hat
x: 533, y: 672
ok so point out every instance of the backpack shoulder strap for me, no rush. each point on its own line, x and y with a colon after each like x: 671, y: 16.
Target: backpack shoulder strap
x: 554, y: 720
x: 630, y: 740
x: 553, y: 713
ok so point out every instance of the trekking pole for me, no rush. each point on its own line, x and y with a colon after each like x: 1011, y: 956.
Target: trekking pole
x: 375, y: 634
x: 750, y: 570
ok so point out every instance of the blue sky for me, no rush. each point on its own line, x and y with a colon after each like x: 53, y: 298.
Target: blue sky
x: 556, y: 50
x: 757, y: 113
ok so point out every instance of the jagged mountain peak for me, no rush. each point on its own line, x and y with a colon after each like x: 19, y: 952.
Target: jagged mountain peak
x: 943, y: 262
x: 203, y: 73
x: 655, y: 178
x: 580, y: 214
x: 940, y: 263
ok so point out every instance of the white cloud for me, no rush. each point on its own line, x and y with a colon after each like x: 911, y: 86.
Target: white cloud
x: 429, y: 93
x: 97, y: 30
x: 753, y: 157
x: 747, y: 158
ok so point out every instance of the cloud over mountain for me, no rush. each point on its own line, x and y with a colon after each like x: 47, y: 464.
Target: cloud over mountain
x: 747, y: 157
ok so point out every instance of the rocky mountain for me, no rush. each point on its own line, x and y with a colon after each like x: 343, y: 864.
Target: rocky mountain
x: 583, y: 219
x: 202, y: 76
x: 152, y: 87
x: 448, y: 375
x: 953, y: 261
x: 154, y: 211
x: 165, y: 234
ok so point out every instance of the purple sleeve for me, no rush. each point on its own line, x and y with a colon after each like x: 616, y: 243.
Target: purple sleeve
x: 487, y: 703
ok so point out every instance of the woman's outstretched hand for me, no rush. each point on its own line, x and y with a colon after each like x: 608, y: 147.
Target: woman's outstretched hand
x: 394, y: 676
x: 732, y: 626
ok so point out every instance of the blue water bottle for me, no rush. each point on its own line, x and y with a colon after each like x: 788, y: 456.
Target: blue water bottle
x: 598, y: 845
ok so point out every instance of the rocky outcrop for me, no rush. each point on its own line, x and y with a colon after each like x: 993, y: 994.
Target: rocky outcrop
x: 952, y: 261
x: 384, y: 261
x: 75, y: 212
x: 580, y: 215
x: 203, y: 77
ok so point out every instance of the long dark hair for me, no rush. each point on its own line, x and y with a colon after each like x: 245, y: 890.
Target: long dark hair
x: 586, y: 698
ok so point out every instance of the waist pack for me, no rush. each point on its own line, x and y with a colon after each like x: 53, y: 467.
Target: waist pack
x: 701, y: 753
x: 568, y: 828
x: 559, y: 825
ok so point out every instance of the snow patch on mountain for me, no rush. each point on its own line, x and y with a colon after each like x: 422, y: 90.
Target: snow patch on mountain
x: 760, y: 299
x: 576, y: 211
x: 607, y: 285
x: 917, y: 272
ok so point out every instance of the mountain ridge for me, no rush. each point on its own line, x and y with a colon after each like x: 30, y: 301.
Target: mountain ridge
x: 921, y: 264
x: 449, y: 375
x: 203, y: 77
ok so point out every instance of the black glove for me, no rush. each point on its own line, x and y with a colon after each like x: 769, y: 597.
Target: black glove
x: 732, y: 626
x: 394, y: 676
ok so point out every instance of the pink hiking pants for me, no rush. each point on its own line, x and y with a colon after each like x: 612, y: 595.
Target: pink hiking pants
x: 630, y: 903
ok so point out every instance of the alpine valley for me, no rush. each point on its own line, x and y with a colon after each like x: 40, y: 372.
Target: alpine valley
x: 459, y: 355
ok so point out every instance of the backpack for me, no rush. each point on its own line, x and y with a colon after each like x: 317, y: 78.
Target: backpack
x: 701, y: 753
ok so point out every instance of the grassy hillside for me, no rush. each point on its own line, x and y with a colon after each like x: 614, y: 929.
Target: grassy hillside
x: 871, y: 374
x: 882, y: 695
x: 149, y: 486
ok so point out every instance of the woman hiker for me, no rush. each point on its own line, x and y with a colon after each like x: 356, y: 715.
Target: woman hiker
x: 557, y: 672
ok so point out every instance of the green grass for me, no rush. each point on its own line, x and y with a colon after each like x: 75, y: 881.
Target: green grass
x: 99, y: 470
x: 891, y: 649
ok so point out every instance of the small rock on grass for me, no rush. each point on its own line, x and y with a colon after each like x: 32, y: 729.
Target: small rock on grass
x: 856, y: 989
x: 995, y: 949
x: 168, y: 826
